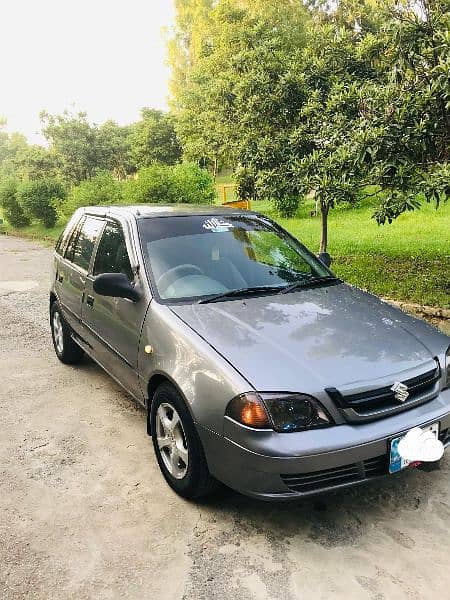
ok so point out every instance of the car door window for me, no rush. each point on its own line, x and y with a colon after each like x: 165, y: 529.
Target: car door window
x: 85, y: 241
x: 112, y: 255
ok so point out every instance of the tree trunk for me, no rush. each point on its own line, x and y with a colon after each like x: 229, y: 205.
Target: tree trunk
x: 324, y: 231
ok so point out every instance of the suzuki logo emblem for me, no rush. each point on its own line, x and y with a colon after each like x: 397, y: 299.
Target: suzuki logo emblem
x: 400, y: 391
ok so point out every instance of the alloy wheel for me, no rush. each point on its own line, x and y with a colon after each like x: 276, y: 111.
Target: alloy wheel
x: 171, y: 441
x: 58, y: 332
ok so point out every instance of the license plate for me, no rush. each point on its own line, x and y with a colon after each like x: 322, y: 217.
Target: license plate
x: 396, y: 462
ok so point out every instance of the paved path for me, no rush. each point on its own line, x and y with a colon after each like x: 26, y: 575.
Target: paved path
x: 84, y: 512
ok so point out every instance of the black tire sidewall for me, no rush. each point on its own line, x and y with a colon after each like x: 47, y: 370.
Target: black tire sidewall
x: 71, y: 353
x: 197, y: 477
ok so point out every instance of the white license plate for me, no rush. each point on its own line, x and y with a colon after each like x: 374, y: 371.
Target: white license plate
x: 396, y: 462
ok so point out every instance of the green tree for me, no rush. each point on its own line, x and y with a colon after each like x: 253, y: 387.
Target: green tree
x: 40, y: 199
x: 83, y: 149
x: 153, y: 139
x: 35, y: 162
x: 12, y: 210
x: 10, y: 145
x: 73, y: 139
x: 185, y: 43
x: 114, y: 149
x: 325, y: 100
x: 278, y: 93
x: 411, y: 110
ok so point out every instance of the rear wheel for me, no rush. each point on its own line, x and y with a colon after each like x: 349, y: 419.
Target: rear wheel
x: 177, y: 446
x: 66, y: 349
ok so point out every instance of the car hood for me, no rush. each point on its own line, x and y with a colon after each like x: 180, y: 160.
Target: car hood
x: 322, y: 337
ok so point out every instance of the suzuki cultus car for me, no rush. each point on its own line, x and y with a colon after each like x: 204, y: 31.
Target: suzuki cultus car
x: 258, y: 367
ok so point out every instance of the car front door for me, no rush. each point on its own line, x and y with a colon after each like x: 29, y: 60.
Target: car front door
x: 74, y: 266
x: 114, y: 324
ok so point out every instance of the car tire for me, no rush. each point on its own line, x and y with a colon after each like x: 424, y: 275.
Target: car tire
x: 188, y: 474
x: 67, y: 350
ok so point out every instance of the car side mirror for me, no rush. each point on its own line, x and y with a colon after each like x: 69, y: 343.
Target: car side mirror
x: 115, y: 285
x: 325, y: 258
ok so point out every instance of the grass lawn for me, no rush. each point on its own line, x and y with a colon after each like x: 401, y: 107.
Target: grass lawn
x: 35, y: 231
x: 408, y: 260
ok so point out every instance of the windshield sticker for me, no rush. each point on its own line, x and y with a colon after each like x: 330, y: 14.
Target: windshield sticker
x: 217, y: 225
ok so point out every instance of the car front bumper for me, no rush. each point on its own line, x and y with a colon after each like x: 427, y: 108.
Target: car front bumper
x: 282, y: 467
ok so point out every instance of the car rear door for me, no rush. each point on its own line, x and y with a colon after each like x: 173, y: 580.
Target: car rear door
x: 74, y: 266
x: 114, y: 324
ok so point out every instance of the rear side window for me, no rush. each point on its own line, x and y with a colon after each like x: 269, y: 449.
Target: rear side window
x: 82, y: 246
x: 65, y: 236
x: 112, y: 255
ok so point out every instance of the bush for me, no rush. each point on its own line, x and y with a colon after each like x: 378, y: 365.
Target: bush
x: 287, y: 206
x: 12, y: 211
x: 102, y: 189
x: 162, y: 184
x: 193, y: 185
x: 245, y: 180
x: 154, y: 185
x: 39, y: 200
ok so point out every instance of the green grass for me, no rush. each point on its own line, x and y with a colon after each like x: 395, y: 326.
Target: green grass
x: 222, y: 179
x: 35, y: 231
x: 408, y: 260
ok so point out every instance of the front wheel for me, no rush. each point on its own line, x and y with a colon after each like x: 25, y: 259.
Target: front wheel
x: 177, y: 446
x: 66, y: 349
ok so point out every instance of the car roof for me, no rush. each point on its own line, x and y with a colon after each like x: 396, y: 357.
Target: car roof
x: 146, y: 211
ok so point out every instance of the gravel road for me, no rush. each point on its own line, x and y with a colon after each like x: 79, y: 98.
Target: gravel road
x: 84, y: 512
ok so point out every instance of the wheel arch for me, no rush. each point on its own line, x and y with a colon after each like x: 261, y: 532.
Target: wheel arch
x: 53, y: 298
x: 155, y: 381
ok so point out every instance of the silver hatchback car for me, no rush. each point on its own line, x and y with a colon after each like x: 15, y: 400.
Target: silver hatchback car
x: 257, y: 366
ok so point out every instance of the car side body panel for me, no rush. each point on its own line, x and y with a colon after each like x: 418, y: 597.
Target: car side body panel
x: 205, y: 379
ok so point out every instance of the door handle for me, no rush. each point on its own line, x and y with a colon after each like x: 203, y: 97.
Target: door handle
x: 90, y: 301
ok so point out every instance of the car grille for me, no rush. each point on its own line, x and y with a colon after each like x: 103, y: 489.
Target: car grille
x: 382, y: 400
x: 317, y: 480
x: 346, y: 474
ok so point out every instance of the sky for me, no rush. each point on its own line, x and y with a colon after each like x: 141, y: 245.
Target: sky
x: 106, y: 57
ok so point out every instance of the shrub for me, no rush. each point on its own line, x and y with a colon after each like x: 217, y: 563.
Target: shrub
x: 245, y: 180
x: 102, y: 189
x: 193, y: 185
x: 39, y: 199
x: 286, y: 206
x: 153, y: 185
x: 12, y: 211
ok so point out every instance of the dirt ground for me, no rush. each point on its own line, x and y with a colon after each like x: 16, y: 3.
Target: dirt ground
x: 84, y: 512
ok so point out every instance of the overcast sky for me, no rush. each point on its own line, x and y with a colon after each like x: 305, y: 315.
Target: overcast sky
x: 106, y: 56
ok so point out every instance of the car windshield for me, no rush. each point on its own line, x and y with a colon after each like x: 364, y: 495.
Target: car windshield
x: 197, y: 257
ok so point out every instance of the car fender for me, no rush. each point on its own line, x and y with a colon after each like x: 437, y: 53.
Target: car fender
x: 172, y: 350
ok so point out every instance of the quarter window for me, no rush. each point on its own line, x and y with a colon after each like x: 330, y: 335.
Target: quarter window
x: 81, y: 251
x: 112, y: 255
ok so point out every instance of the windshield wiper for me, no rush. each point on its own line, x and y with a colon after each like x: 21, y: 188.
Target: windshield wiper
x: 309, y: 283
x: 242, y: 292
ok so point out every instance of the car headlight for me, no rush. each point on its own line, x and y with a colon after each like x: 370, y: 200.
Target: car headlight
x: 447, y: 369
x: 282, y: 412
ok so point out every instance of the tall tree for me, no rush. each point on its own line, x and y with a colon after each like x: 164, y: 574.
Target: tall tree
x: 73, y: 139
x: 278, y: 94
x: 10, y: 145
x: 154, y: 139
x: 326, y: 101
x: 186, y: 42
x: 411, y: 111
x: 83, y: 149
